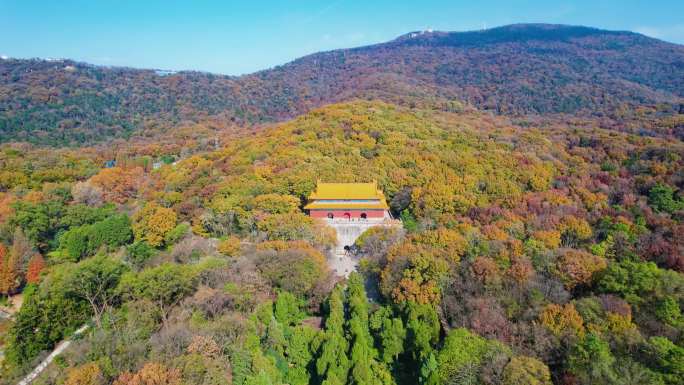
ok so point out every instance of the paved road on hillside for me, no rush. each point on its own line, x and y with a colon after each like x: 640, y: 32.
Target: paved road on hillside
x: 44, y: 364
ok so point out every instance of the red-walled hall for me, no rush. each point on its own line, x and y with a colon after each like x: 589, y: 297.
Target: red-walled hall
x: 347, y: 214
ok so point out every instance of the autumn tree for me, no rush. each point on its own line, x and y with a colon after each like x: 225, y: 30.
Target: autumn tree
x: 574, y: 230
x: 413, y: 272
x: 118, y: 184
x: 577, y: 267
x: 9, y: 274
x: 287, y: 227
x: 291, y: 266
x: 230, y: 246
x: 276, y: 203
x: 35, y: 268
x: 562, y: 320
x: 12, y: 263
x: 86, y: 374
x: 151, y: 373
x: 152, y: 223
x: 204, y: 346
x: 521, y: 269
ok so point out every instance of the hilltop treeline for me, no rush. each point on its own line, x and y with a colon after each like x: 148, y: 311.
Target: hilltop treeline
x: 514, y: 70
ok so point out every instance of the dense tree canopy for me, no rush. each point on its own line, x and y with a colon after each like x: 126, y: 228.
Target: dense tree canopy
x: 527, y: 255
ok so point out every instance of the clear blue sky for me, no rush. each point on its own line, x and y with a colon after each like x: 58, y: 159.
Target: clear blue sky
x: 236, y: 37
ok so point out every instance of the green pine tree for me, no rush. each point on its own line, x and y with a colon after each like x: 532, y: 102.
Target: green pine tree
x: 333, y: 364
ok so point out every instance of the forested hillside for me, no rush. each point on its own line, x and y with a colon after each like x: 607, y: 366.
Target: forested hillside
x: 528, y: 255
x: 514, y: 70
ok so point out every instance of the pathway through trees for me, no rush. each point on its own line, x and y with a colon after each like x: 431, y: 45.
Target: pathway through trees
x: 58, y: 350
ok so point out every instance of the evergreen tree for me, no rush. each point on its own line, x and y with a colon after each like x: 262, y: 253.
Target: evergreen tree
x: 299, y: 355
x: 287, y: 309
x: 390, y: 332
x: 333, y: 364
x: 423, y: 327
x: 428, y: 371
x: 365, y: 367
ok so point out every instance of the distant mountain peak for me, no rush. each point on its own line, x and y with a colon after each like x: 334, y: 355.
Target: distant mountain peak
x: 508, y: 33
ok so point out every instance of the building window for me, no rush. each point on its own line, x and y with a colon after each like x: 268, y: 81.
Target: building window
x: 331, y: 216
x: 364, y: 216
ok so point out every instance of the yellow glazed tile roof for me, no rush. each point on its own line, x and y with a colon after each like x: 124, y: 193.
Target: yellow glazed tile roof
x: 359, y: 206
x: 347, y: 191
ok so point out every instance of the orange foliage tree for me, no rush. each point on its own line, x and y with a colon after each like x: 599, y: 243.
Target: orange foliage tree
x: 87, y: 374
x: 9, y: 271
x: 150, y: 374
x: 35, y: 267
x: 521, y: 269
x: 118, y: 184
x: 6, y: 210
x: 576, y: 267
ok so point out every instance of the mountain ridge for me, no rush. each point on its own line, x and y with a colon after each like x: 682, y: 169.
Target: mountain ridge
x: 519, y: 69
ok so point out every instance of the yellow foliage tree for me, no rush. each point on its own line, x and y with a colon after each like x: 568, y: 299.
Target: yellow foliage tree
x: 562, y: 320
x: 153, y: 222
x: 276, y: 203
x: 451, y: 242
x: 230, y: 246
x: 522, y: 370
x: 550, y: 239
x: 574, y: 230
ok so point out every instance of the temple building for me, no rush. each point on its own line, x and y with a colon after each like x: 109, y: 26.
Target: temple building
x: 350, y: 201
